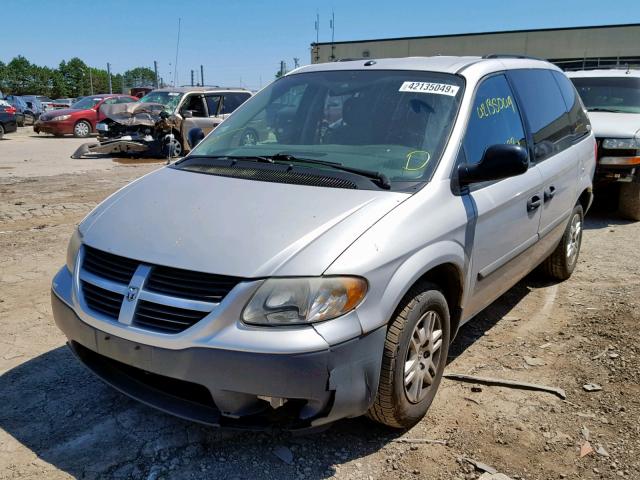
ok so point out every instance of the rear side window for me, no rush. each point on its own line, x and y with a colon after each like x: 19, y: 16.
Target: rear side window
x: 545, y: 110
x: 232, y: 101
x: 577, y: 118
x: 495, y: 119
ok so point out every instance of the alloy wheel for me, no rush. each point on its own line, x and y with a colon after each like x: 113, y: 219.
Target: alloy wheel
x: 423, y: 356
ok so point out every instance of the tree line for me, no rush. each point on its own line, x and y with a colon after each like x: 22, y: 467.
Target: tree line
x: 72, y: 78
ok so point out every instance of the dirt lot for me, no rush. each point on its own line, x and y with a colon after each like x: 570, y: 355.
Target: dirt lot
x: 58, y: 421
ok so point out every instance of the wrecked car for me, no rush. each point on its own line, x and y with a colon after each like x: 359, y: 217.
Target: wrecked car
x: 322, y: 271
x: 158, y: 124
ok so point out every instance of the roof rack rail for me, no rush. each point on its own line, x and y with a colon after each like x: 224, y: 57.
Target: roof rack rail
x: 509, y: 55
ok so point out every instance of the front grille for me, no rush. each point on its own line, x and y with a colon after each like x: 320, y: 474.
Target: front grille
x: 271, y: 175
x: 166, y: 319
x: 104, y: 301
x: 171, y: 282
x: 205, y: 287
x: 109, y: 266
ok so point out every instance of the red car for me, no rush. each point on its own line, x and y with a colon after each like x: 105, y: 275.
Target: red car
x: 79, y: 120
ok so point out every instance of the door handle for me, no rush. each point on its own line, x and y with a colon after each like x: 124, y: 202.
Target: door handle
x: 534, y: 203
x: 549, y: 193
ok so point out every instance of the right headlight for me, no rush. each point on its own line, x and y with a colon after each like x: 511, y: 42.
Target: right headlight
x: 622, y: 143
x: 301, y: 301
x: 72, y: 249
x: 60, y: 118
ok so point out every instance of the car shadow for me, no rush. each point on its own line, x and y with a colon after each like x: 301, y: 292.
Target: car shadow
x: 54, y: 407
x: 484, y: 321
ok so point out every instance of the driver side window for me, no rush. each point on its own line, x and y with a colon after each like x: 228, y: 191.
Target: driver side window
x: 196, y: 105
x: 495, y: 119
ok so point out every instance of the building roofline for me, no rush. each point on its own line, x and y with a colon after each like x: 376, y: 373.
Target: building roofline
x: 500, y: 32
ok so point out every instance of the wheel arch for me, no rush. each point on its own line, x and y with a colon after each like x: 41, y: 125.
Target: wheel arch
x: 444, y: 269
x: 586, y: 199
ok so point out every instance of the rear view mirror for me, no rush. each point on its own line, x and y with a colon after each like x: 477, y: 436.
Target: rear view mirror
x: 498, y: 162
x: 187, y: 113
x: 195, y: 136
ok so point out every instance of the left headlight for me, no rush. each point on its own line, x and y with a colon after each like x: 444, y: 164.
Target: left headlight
x: 300, y: 301
x: 60, y: 118
x: 72, y: 249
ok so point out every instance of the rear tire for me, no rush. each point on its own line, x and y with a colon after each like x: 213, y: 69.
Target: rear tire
x: 629, y: 201
x: 82, y: 129
x: 561, y: 263
x: 1, y: 132
x: 414, y: 358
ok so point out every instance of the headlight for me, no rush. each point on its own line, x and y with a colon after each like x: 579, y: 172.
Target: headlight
x: 72, y: 249
x: 298, y: 301
x: 60, y: 118
x: 621, y: 143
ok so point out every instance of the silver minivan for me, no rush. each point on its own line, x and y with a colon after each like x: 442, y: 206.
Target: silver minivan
x: 322, y: 270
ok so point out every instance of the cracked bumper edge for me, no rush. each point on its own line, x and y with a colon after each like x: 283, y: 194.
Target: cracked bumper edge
x: 327, y: 385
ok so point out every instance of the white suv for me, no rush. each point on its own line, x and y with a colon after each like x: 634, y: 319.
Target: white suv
x: 612, y: 98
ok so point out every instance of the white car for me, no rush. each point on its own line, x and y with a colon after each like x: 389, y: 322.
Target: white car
x: 612, y: 99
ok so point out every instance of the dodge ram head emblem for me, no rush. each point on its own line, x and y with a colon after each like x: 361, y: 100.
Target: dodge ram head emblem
x: 132, y: 293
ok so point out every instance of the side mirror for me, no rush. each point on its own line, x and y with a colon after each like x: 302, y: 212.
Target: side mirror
x: 195, y: 136
x: 187, y: 113
x: 498, y: 162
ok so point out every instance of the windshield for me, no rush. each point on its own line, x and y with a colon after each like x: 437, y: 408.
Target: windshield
x: 616, y: 94
x: 170, y: 100
x: 86, y: 103
x: 393, y: 122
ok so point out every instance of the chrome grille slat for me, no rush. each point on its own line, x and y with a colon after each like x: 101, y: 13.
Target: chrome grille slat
x: 157, y: 298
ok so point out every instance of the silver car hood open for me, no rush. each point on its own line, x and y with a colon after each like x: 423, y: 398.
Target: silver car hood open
x: 233, y: 226
x: 614, y: 125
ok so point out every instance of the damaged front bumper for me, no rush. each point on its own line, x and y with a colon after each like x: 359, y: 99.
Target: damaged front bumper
x: 231, y: 388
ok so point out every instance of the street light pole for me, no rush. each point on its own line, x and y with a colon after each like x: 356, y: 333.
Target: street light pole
x: 109, y: 75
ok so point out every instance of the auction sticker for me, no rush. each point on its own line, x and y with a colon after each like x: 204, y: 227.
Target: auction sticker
x: 430, y: 87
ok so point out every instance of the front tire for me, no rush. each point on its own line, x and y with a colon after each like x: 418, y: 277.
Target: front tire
x: 414, y: 358
x: 82, y: 129
x: 629, y: 201
x: 561, y: 263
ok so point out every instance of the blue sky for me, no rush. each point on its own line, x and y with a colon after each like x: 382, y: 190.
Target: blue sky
x: 242, y: 42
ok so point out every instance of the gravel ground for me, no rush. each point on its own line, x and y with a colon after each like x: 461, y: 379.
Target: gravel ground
x: 58, y: 421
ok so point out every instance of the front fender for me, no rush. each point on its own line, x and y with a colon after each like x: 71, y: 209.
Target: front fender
x: 390, y: 282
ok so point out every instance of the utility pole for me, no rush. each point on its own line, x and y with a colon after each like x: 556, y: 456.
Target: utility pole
x: 91, y: 80
x: 123, y: 90
x: 332, y: 24
x: 296, y: 62
x: 175, y: 68
x: 192, y: 77
x: 201, y: 75
x: 109, y: 75
x: 155, y: 69
x: 316, y: 48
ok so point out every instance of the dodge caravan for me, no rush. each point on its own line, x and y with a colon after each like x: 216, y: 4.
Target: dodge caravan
x: 322, y: 271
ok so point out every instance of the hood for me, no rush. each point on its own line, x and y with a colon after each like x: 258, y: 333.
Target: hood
x: 614, y: 125
x: 232, y: 226
x: 134, y: 113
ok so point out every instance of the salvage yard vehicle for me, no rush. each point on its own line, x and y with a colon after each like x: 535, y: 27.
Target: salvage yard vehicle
x: 79, y: 120
x: 23, y: 114
x: 323, y: 271
x: 612, y: 98
x: 8, y: 121
x: 159, y: 124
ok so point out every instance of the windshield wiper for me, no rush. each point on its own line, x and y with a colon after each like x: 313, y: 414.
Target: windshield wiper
x: 254, y: 158
x: 378, y: 178
x: 603, y: 109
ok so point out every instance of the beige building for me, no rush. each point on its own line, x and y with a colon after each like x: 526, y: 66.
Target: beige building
x: 571, y: 48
